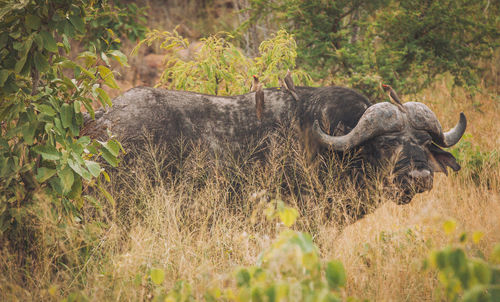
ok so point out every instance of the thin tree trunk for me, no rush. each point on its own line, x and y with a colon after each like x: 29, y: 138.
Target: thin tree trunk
x: 251, y: 36
x: 355, y: 27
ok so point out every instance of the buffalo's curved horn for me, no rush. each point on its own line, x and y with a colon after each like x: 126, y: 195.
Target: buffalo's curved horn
x: 378, y: 119
x: 454, y: 135
x: 421, y: 117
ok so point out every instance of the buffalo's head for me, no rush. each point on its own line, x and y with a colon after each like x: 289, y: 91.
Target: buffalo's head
x: 409, y: 137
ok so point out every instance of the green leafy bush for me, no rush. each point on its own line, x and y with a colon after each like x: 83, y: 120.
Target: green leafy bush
x: 107, y: 22
x: 476, y: 162
x: 43, y: 92
x: 465, y: 278
x: 404, y: 43
x: 221, y: 68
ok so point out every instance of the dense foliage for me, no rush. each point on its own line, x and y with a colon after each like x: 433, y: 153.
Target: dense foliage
x: 43, y: 92
x: 466, y: 278
x: 220, y: 68
x: 107, y: 23
x: 404, y: 43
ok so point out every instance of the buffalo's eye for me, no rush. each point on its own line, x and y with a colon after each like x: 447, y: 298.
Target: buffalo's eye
x: 391, y: 143
x: 386, y: 143
x: 422, y: 138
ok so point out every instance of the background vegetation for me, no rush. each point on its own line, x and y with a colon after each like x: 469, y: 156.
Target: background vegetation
x: 69, y: 231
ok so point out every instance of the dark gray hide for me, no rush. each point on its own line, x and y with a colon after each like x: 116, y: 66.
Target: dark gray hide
x: 381, y: 132
x: 216, y: 121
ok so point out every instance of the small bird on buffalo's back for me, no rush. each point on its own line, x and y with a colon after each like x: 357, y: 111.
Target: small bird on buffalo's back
x: 393, y: 96
x: 259, y: 96
x: 289, y: 85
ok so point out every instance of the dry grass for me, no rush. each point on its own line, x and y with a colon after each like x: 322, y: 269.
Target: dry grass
x: 201, y: 222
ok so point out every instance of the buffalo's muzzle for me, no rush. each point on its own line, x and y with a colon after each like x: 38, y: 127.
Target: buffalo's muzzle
x: 421, y: 180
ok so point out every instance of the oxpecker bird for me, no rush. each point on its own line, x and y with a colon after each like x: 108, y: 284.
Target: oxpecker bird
x: 288, y: 83
x: 259, y: 96
x: 393, y: 96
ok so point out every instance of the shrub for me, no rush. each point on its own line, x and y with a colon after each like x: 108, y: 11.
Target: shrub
x: 221, y: 68
x: 466, y: 278
x: 406, y: 44
x: 43, y: 92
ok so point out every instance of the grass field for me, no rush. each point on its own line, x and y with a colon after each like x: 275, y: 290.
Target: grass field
x: 188, y: 230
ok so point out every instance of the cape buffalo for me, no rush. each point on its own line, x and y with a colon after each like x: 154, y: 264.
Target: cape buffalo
x: 329, y: 118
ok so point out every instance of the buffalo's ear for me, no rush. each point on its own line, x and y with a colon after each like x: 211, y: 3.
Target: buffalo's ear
x: 440, y: 159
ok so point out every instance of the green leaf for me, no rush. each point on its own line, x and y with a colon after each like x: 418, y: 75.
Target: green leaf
x: 449, y: 226
x: 310, y: 260
x: 48, y: 41
x: 66, y: 44
x: 32, y: 22
x: 477, y: 293
x: 4, y: 74
x: 76, y: 192
x: 46, y: 109
x: 66, y: 115
x: 104, y: 57
x: 107, y: 76
x: 103, y: 97
x: 305, y: 242
x: 77, y: 22
x: 476, y: 236
x: 495, y: 254
x: 120, y: 57
x: 26, y: 46
x: 482, y: 272
x: 84, y: 141
x: 41, y: 63
x: 113, y: 147
x: 243, y: 278
x: 44, y: 173
x: 335, y: 274
x: 4, y: 168
x: 106, y: 175
x: 157, y: 276
x: 89, y: 57
x: 55, y: 183
x: 47, y: 152
x: 39, y: 41
x: 94, y: 168
x: 65, y: 63
x: 67, y: 81
x: 69, y: 29
x: 106, y: 194
x: 28, y: 131
x: 66, y: 177
x: 288, y: 216
x: 79, y: 169
x: 77, y: 105
x: 20, y: 64
x: 11, y: 6
x: 110, y: 158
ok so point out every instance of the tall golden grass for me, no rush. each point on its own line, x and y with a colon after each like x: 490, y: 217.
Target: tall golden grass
x: 202, y: 221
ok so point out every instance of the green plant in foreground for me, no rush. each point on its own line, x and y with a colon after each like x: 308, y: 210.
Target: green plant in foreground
x: 289, y: 270
x: 466, y: 278
x: 42, y: 93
